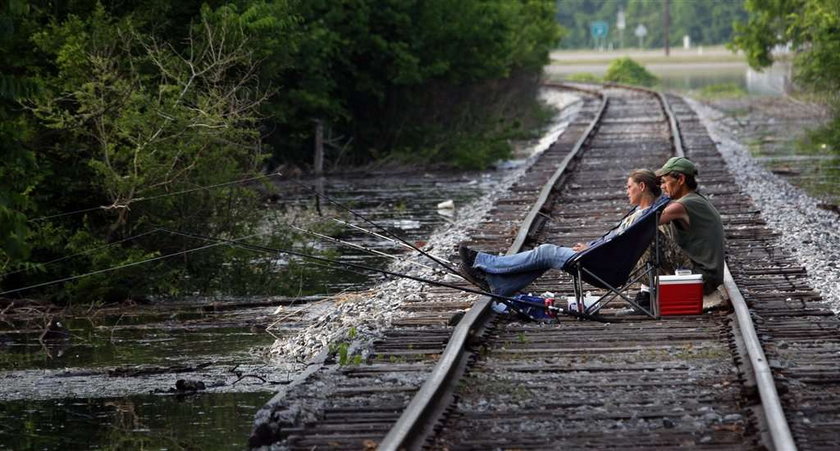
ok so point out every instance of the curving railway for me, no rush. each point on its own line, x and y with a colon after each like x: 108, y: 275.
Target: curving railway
x: 761, y: 375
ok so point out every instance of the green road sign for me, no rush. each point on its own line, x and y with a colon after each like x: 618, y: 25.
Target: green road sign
x: 599, y: 28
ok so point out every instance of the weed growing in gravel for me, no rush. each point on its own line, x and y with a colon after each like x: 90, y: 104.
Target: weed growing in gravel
x: 342, y: 352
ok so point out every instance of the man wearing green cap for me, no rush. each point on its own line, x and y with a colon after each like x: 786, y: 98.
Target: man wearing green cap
x: 692, y: 221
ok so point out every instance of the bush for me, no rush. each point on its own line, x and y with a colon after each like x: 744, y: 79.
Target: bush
x: 625, y: 70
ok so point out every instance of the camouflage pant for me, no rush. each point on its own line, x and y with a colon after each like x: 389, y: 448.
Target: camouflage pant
x: 671, y: 256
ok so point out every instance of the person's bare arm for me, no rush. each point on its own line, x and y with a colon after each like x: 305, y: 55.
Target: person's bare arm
x: 675, y: 211
x: 579, y: 247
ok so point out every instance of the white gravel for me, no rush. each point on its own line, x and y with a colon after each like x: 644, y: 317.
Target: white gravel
x: 358, y: 319
x: 811, y: 234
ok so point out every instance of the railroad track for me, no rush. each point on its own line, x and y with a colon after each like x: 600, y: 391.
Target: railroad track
x: 496, y: 382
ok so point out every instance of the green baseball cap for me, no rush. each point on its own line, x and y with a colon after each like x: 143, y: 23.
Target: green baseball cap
x: 677, y: 164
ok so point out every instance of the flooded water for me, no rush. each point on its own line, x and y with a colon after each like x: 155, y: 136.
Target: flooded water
x: 773, y: 81
x: 106, y: 378
x: 781, y: 150
x: 220, y: 421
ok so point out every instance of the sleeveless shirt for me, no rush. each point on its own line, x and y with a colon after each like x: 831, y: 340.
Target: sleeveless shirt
x: 704, y: 239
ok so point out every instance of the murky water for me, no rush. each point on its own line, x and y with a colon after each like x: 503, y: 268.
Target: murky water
x: 81, y: 388
x: 106, y: 378
x: 220, y: 421
x: 816, y: 172
x: 773, y: 81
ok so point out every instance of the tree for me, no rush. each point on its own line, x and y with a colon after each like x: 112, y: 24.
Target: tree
x: 407, y: 72
x: 151, y: 119
x: 707, y: 22
x: 136, y: 124
x: 812, y: 29
x: 18, y: 171
x: 123, y: 105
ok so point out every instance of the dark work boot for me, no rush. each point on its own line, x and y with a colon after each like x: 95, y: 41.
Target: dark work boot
x: 476, y: 276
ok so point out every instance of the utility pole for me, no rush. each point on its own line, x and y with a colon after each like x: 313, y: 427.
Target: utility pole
x: 666, y: 19
x: 318, y: 164
x: 620, y: 23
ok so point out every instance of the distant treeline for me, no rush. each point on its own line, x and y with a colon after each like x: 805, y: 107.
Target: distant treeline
x: 136, y: 106
x: 705, y: 22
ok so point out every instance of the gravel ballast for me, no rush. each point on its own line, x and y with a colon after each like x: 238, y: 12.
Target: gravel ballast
x: 809, y: 233
x: 358, y: 319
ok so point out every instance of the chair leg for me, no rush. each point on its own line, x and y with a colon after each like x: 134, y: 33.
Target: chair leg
x: 619, y: 292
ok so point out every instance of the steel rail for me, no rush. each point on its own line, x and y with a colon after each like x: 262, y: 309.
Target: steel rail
x: 771, y: 405
x: 410, y: 431
x: 676, y: 134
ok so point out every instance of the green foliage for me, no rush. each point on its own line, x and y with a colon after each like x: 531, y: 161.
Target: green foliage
x: 625, y: 70
x: 150, y: 132
x: 18, y: 168
x: 136, y: 125
x: 824, y: 140
x: 341, y: 350
x: 811, y: 28
x: 706, y: 22
x: 401, y: 75
x: 134, y: 106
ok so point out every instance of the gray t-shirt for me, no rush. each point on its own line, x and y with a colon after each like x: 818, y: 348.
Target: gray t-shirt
x: 704, y: 239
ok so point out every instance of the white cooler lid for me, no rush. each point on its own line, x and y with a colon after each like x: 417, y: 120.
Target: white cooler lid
x: 690, y: 278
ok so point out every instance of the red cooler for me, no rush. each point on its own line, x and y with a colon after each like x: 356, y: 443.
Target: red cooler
x: 681, y: 295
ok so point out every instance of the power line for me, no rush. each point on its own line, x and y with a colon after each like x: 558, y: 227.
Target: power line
x: 116, y: 206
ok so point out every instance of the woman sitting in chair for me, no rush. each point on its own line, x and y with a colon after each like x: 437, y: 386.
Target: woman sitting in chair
x: 505, y: 275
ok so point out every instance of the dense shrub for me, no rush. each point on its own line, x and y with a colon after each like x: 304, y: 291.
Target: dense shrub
x: 625, y: 70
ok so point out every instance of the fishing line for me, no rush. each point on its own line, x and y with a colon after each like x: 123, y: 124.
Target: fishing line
x: 359, y: 247
x: 349, y: 210
x: 88, y: 251
x: 127, y: 265
x: 509, y: 301
x: 458, y: 274
x: 371, y: 232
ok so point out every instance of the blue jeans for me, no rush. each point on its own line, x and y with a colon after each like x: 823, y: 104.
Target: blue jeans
x: 510, y: 273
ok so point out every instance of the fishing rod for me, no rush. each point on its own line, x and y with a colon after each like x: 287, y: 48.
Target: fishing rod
x: 509, y: 301
x: 370, y: 232
x: 388, y: 232
x: 358, y: 246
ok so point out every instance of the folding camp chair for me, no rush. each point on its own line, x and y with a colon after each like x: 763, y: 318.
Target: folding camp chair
x: 609, y: 261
